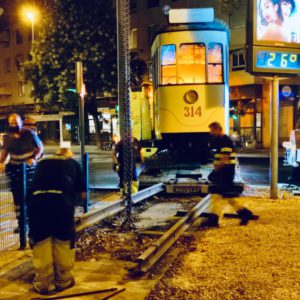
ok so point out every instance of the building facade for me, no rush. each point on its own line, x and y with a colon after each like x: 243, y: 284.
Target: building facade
x: 250, y: 96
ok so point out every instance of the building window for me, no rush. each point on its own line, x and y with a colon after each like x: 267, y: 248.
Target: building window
x: 6, y: 38
x: 92, y: 127
x: 238, y: 62
x: 19, y: 37
x: 152, y: 28
x: 133, y: 5
x: 21, y: 89
x: 19, y: 61
x: 153, y: 3
x: 7, y: 65
x: 133, y: 39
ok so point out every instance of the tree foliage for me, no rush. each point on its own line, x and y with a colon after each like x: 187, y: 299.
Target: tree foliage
x: 228, y: 7
x: 70, y: 31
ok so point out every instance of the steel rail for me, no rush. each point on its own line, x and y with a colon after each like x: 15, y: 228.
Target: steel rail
x: 148, y: 259
x: 99, y: 214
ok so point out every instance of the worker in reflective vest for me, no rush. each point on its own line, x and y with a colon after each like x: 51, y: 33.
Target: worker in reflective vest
x: 57, y: 187
x: 223, y: 175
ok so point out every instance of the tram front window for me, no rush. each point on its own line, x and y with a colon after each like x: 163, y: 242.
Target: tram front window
x: 215, y: 63
x: 191, y: 63
x: 168, y: 64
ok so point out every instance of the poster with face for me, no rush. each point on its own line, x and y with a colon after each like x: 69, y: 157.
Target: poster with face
x: 278, y: 21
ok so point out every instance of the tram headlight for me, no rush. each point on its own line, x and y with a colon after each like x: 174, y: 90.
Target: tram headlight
x: 190, y: 97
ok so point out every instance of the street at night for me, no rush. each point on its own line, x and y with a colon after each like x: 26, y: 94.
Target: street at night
x: 150, y: 149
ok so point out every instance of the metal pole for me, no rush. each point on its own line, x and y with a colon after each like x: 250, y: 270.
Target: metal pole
x: 87, y: 182
x: 274, y: 138
x: 32, y: 29
x: 23, y: 219
x: 80, y: 91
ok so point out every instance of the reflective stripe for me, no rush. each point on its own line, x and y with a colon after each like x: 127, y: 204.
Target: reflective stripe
x: 228, y: 162
x: 225, y: 149
x: 47, y: 192
x: 61, y: 157
x: 22, y: 156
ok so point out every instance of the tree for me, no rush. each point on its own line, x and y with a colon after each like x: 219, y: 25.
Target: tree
x: 138, y: 68
x: 70, y: 31
x: 229, y: 6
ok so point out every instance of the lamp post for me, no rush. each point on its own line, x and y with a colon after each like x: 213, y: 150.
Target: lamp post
x: 30, y: 16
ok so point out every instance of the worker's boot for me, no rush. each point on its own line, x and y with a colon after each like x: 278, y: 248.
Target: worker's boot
x: 246, y: 215
x: 212, y: 221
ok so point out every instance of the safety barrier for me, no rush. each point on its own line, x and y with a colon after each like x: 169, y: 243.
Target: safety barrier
x: 13, y: 216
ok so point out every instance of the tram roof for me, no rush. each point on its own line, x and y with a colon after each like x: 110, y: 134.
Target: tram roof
x: 217, y: 25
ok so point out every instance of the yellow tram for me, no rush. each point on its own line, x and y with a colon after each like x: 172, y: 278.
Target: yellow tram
x: 190, y: 80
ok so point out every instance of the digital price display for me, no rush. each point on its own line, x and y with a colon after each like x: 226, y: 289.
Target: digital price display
x: 278, y: 60
x: 273, y: 37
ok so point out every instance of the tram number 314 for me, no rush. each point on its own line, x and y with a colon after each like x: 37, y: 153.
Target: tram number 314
x: 191, y: 111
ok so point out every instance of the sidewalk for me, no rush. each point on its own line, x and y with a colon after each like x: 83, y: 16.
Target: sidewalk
x: 92, y: 149
x: 259, y: 153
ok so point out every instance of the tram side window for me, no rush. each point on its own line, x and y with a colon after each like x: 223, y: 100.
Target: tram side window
x: 215, y: 63
x: 168, y: 64
x: 191, y: 63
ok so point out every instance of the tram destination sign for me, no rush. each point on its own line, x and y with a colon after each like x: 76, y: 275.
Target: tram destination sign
x: 273, y: 37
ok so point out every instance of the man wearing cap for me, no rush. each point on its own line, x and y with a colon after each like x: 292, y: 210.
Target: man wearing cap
x: 20, y: 145
x: 57, y: 187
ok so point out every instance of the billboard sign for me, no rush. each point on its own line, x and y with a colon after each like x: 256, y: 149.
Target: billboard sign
x: 273, y: 37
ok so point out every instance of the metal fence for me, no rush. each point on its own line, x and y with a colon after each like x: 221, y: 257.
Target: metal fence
x: 14, y: 184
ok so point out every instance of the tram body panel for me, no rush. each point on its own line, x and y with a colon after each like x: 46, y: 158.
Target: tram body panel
x: 175, y: 115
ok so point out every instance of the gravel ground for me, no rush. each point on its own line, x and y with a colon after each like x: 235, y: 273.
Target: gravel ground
x: 258, y: 261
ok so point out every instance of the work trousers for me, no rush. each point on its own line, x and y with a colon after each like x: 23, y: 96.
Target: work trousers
x: 13, y: 172
x: 53, y: 261
x: 134, y: 179
x: 218, y: 202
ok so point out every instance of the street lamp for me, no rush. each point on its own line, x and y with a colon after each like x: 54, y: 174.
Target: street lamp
x: 30, y: 16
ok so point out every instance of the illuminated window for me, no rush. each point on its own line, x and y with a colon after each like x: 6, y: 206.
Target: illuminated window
x: 168, y: 64
x: 191, y: 63
x: 92, y: 127
x: 215, y: 63
x: 133, y: 39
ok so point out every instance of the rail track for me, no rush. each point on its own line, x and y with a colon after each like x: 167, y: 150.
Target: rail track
x: 145, y: 261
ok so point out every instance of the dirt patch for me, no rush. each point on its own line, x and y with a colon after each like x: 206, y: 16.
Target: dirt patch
x: 258, y: 261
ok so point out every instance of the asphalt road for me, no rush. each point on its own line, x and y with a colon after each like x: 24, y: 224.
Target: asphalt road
x: 254, y: 170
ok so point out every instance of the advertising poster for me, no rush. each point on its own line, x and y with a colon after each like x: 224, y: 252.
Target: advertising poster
x: 278, y: 21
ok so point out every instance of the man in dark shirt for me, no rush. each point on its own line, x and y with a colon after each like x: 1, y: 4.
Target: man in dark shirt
x: 21, y: 145
x: 56, y: 188
x: 223, y: 174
